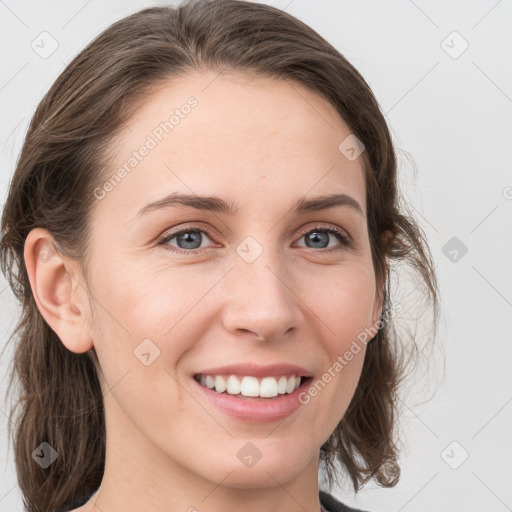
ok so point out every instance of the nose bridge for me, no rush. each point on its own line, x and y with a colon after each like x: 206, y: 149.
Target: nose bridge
x: 260, y: 298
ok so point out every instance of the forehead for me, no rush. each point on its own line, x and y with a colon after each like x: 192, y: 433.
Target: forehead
x: 232, y: 135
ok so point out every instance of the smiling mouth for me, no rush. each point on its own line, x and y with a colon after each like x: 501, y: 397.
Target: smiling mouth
x: 251, y: 387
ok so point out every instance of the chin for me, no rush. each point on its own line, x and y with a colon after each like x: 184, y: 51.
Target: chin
x: 263, y: 477
x: 274, y: 467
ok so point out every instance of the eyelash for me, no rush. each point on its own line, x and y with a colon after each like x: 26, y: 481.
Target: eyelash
x: 340, y: 235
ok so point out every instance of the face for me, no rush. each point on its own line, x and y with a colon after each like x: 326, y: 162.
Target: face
x: 184, y: 292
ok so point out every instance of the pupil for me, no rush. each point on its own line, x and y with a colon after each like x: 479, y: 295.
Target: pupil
x: 190, y: 237
x: 315, y: 236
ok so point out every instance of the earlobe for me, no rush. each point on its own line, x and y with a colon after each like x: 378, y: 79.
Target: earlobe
x: 380, y: 299
x: 377, y: 310
x: 60, y: 303
x: 378, y: 307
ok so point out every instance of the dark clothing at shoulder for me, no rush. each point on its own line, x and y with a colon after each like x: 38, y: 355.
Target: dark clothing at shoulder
x: 329, y: 503
x: 333, y: 505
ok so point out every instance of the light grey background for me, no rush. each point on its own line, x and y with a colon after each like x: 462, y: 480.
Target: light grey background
x: 451, y: 113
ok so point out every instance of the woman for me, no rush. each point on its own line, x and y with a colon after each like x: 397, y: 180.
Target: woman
x: 200, y: 230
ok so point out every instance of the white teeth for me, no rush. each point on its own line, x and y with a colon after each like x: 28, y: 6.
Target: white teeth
x: 281, y: 385
x: 233, y: 385
x: 266, y: 387
x: 250, y: 386
x: 220, y: 384
x: 210, y: 381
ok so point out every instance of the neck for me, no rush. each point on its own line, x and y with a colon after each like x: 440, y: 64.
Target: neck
x: 140, y: 476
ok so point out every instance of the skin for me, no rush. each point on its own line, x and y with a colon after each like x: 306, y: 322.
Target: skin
x: 263, y: 143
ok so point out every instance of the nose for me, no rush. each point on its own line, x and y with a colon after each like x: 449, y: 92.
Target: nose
x: 261, y: 302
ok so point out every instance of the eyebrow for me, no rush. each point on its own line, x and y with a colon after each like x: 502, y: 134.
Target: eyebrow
x: 218, y: 205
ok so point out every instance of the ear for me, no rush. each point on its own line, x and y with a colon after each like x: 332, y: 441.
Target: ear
x: 378, y: 305
x: 61, y: 300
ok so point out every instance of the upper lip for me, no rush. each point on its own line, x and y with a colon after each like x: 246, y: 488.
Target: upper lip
x: 272, y: 370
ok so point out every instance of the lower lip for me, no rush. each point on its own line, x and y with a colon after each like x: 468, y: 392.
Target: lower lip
x: 255, y: 410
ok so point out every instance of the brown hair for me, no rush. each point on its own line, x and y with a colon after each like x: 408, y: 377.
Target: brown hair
x: 61, y: 163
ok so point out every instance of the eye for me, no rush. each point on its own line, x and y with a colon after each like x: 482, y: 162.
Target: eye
x: 189, y: 239
x: 319, y: 238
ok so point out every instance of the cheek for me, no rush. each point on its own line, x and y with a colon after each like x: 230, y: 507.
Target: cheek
x: 135, y: 312
x: 344, y: 307
x: 151, y: 309
x: 147, y: 301
x: 344, y: 302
